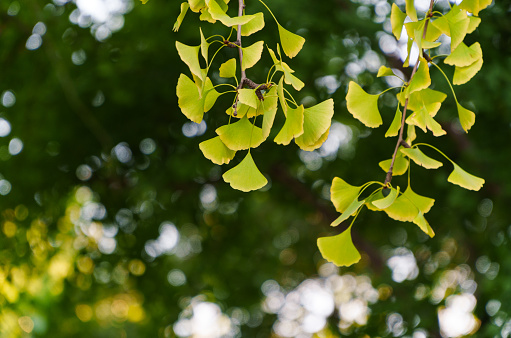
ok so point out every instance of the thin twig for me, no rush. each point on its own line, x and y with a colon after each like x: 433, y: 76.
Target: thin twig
x: 400, y: 140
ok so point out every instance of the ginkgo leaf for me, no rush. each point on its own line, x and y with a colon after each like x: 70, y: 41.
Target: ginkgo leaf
x: 339, y: 249
x: 464, y: 74
x: 424, y: 204
x: 248, y: 97
x: 400, y: 165
x: 385, y: 71
x: 420, y: 158
x: 316, y: 121
x: 254, y: 25
x: 192, y: 102
x: 421, y: 80
x: 395, y: 125
x: 252, y: 54
x: 409, y: 45
x: 397, y: 19
x: 290, y: 78
x: 422, y: 119
x: 196, y: 5
x: 463, y: 55
x: 454, y: 24
x: 204, y: 46
x: 219, y: 14
x: 410, y: 10
x: 402, y: 210
x: 317, y: 144
x: 411, y: 135
x: 387, y: 200
x: 241, y: 135
x: 475, y: 6
x: 464, y: 179
x: 282, y: 98
x: 190, y: 56
x: 378, y: 195
x: 293, y: 127
x: 245, y: 176
x: 241, y: 110
x: 180, y: 18
x: 363, y: 106
x: 291, y: 42
x: 216, y: 151
x: 270, y: 110
x: 424, y: 225
x: 350, y: 210
x: 205, y: 15
x: 428, y: 99
x: 228, y: 68
x: 467, y: 117
x: 343, y: 194
x: 473, y: 24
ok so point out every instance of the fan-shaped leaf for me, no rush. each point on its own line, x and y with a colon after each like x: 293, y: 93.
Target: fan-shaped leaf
x: 192, y: 101
x: 402, y: 210
x: 423, y: 225
x: 385, y: 71
x: 474, y: 23
x: 215, y: 151
x: 317, y: 120
x: 245, y: 176
x: 190, y: 56
x: 464, y: 179
x: 463, y: 56
x: 254, y: 25
x: 464, y: 74
x: 410, y: 10
x: 248, y: 97
x: 339, y: 249
x: 343, y: 194
x: 422, y: 203
x: 269, y: 106
x: 397, y: 19
x: 475, y: 6
x: 252, y: 54
x: 400, y: 165
x: 350, y: 210
x: 218, y: 13
x: 228, y: 68
x: 421, y: 80
x: 291, y: 42
x: 293, y: 127
x: 395, y: 125
x: 241, y: 135
x: 196, y: 5
x: 363, y: 106
x: 387, y: 201
x: 467, y: 117
x: 420, y: 158
x: 180, y: 18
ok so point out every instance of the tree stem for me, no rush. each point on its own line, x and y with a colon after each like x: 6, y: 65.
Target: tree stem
x: 400, y: 140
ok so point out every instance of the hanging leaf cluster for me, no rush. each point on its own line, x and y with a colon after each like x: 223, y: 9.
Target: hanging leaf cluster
x: 417, y: 107
x: 250, y: 118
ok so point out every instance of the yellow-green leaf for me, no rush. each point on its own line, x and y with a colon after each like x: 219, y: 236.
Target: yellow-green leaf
x: 280, y: 92
x: 190, y: 56
x: 339, y: 249
x: 473, y: 24
x: 385, y: 71
x: 245, y: 176
x: 395, y: 125
x: 350, y: 210
x: 421, y: 80
x: 317, y: 121
x: 204, y: 46
x: 343, y: 194
x: 397, y: 19
x: 216, y: 151
x: 463, y: 55
x: 241, y: 135
x: 424, y: 225
x: 467, y: 117
x: 269, y: 106
x: 475, y: 6
x: 464, y: 74
x: 410, y: 10
x: 144, y: 1
x: 428, y: 99
x: 410, y: 134
x: 424, y: 204
x: 363, y: 106
x: 402, y: 210
x: 205, y: 15
x: 180, y: 18
x: 422, y: 119
x: 293, y: 127
x: 400, y: 165
x: 317, y: 144
x: 252, y: 54
x: 196, y: 5
x: 290, y: 78
x: 219, y: 14
x: 420, y: 158
x: 228, y: 68
x: 248, y: 97
x: 192, y: 101
x: 291, y: 42
x: 387, y: 201
x: 464, y: 179
x: 254, y: 25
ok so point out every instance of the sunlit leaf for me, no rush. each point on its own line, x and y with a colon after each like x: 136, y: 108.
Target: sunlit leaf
x: 424, y: 204
x: 474, y: 23
x: 240, y: 135
x: 254, y: 25
x: 343, y: 194
x: 350, y: 210
x: 291, y: 42
x: 463, y: 56
x: 428, y: 99
x: 245, y: 176
x: 293, y: 127
x: 387, y: 201
x: 400, y: 165
x: 248, y: 97
x: 192, y: 101
x: 190, y: 56
x: 395, y: 125
x: 420, y: 158
x: 454, y: 24
x: 410, y: 10
x: 422, y: 119
x: 424, y: 225
x: 317, y: 120
x: 475, y: 6
x: 219, y: 14
x: 464, y: 74
x: 410, y: 133
x: 339, y: 249
x: 385, y: 71
x: 204, y: 46
x: 421, y: 80
x: 402, y: 210
x: 205, y: 15
x: 215, y: 151
x: 180, y: 18
x: 280, y: 92
x: 363, y: 106
x: 290, y: 78
x: 317, y: 144
x: 464, y: 179
x: 397, y: 19
x: 467, y: 117
x: 269, y: 106
x: 228, y: 68
x: 252, y: 54
x: 196, y: 5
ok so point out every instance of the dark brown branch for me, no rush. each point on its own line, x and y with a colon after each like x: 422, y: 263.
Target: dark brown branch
x: 388, y: 177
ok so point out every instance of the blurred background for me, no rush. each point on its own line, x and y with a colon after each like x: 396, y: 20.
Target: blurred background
x: 113, y: 224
